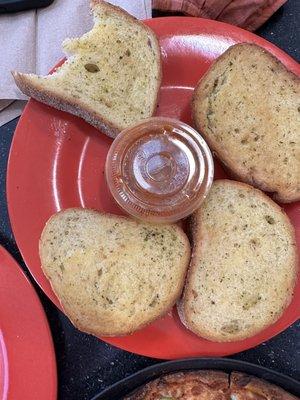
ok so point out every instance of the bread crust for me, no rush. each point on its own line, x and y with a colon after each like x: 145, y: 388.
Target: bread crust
x: 257, y: 179
x: 74, y: 107
x: 63, y: 104
x: 197, y: 237
x: 116, y: 332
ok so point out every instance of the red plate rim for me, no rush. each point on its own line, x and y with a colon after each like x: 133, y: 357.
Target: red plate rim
x: 170, y: 26
x: 27, y: 357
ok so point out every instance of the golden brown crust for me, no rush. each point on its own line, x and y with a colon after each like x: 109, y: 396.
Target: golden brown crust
x: 246, y: 387
x: 209, y: 385
x: 257, y: 179
x: 198, y: 385
x: 74, y: 107
x: 196, y: 230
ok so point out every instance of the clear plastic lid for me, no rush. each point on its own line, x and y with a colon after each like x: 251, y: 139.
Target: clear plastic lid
x: 159, y: 170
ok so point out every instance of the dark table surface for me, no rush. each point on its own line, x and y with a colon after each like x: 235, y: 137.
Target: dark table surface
x: 86, y: 365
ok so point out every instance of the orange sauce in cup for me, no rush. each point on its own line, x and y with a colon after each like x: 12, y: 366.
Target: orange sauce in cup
x: 159, y: 170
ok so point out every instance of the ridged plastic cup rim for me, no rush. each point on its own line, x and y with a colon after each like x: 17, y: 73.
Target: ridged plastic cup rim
x: 128, y: 206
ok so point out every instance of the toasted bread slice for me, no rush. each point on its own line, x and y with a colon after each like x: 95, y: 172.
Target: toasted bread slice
x: 112, y: 76
x: 200, y: 385
x: 243, y: 267
x: 247, y: 106
x: 113, y: 275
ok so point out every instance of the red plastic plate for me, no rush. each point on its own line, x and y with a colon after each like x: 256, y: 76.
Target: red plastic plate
x: 27, y: 360
x: 57, y: 161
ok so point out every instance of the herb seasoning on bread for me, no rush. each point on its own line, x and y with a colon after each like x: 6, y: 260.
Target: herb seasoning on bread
x: 113, y: 275
x: 243, y: 266
x: 112, y: 76
x: 247, y: 106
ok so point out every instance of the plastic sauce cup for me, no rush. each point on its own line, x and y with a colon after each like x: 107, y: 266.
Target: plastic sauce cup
x: 159, y: 170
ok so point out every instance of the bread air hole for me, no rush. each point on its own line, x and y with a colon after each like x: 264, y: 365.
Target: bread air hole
x: 92, y: 68
x: 232, y: 327
x: 270, y: 220
x: 251, y: 302
x: 155, y: 301
x: 254, y: 242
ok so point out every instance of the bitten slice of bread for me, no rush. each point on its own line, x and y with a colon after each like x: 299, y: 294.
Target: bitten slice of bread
x: 112, y: 76
x: 247, y: 106
x: 243, y: 267
x: 113, y: 275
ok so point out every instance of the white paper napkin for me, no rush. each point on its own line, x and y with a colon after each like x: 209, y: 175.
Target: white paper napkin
x: 30, y: 41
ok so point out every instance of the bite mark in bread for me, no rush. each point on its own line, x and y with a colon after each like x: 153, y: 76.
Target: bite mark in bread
x: 111, y: 77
